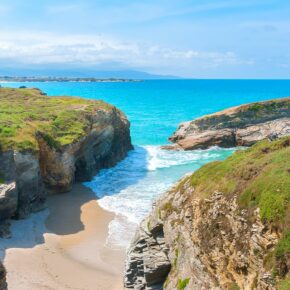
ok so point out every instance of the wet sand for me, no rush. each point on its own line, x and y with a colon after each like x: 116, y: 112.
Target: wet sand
x: 64, y: 247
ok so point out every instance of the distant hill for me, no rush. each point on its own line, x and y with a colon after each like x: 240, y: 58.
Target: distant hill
x: 81, y: 73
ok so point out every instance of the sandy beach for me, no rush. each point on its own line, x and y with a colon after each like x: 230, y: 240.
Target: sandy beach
x: 63, y: 247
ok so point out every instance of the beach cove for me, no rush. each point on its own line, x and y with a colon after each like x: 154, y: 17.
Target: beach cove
x: 64, y: 247
x: 85, y: 233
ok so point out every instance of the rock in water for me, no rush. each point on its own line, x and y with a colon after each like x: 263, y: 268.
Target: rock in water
x: 238, y: 126
x: 48, y: 143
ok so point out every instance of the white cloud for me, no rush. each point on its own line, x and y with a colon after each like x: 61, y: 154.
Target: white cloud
x: 46, y: 48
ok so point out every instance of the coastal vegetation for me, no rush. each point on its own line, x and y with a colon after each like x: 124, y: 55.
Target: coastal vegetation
x: 259, y: 176
x: 247, y: 195
x: 49, y: 143
x: 181, y: 284
x: 27, y: 112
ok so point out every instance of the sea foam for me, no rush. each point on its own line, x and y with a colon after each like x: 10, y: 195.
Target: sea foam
x: 129, y: 188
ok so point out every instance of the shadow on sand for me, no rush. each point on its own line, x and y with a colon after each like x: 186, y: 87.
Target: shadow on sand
x: 63, y: 215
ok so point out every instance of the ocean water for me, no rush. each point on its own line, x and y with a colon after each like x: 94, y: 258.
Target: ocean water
x: 155, y: 108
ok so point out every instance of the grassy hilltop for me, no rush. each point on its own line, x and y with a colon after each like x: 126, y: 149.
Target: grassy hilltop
x: 259, y: 176
x: 61, y: 120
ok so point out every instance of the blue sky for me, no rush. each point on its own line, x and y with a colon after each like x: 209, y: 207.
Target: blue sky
x: 189, y: 38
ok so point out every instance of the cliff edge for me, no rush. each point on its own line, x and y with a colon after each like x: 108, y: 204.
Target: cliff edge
x: 238, y: 126
x: 48, y: 143
x: 226, y: 226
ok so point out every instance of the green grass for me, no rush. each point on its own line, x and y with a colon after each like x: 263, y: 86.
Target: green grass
x: 244, y: 115
x: 283, y: 246
x: 268, y: 106
x: 234, y: 286
x: 181, y: 284
x: 260, y: 177
x: 167, y: 208
x: 60, y: 120
x: 284, y: 284
x: 176, y: 257
x: 256, y: 107
x: 148, y: 225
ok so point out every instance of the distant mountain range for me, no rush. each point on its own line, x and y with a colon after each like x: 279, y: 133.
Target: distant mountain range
x: 81, y: 73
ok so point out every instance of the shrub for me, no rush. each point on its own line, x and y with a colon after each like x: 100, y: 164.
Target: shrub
x: 181, y: 284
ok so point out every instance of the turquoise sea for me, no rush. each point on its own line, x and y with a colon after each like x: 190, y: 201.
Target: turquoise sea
x: 155, y: 108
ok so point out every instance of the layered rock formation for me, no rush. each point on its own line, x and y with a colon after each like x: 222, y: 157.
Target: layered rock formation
x: 239, y: 126
x: 224, y: 227
x: 148, y: 264
x: 48, y: 143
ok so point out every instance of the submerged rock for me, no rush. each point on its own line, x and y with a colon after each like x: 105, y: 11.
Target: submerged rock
x: 238, y: 126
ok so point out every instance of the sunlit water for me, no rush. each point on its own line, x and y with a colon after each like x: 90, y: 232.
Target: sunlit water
x: 155, y: 108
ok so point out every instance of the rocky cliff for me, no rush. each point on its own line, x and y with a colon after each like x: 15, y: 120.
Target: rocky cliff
x: 226, y: 226
x: 3, y: 284
x: 238, y: 126
x: 48, y: 143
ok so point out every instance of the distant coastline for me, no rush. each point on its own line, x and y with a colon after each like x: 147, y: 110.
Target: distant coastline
x: 65, y: 79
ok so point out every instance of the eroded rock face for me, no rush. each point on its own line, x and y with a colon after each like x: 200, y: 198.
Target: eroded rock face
x: 29, y: 184
x: 239, y: 126
x: 3, y: 284
x: 107, y: 143
x: 147, y: 265
x: 27, y: 177
x: 22, y: 170
x: 210, y: 244
x: 8, y: 206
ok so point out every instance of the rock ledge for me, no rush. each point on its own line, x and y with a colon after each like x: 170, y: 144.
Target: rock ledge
x: 238, y: 126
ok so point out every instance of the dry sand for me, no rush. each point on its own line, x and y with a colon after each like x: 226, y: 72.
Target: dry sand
x: 63, y: 247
